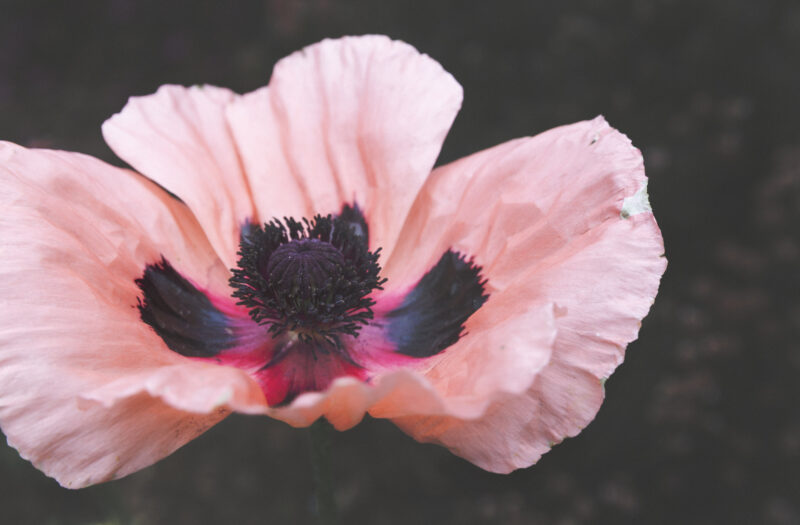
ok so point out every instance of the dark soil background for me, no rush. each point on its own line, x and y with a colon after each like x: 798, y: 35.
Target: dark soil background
x: 701, y: 422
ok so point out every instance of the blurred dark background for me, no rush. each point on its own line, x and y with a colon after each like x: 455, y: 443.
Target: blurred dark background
x: 701, y: 422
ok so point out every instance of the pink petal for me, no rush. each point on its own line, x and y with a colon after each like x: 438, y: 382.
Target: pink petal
x: 179, y: 137
x: 359, y: 119
x: 516, y: 430
x: 501, y: 352
x: 568, y: 225
x: 482, y: 367
x: 88, y: 392
x: 348, y: 399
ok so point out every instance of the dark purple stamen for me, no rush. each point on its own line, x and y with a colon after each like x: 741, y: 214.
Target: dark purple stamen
x: 304, y: 264
x: 313, y: 278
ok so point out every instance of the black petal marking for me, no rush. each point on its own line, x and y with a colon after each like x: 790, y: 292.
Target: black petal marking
x: 354, y: 218
x: 181, y: 314
x: 247, y: 229
x: 432, y: 315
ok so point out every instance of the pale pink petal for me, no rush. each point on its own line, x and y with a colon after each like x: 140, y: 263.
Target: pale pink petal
x: 552, y: 196
x: 82, y: 446
x: 359, y: 119
x: 485, y: 364
x: 193, y: 386
x: 505, y: 345
x: 568, y: 224
x: 88, y: 392
x: 517, y: 429
x: 179, y: 137
x: 348, y: 399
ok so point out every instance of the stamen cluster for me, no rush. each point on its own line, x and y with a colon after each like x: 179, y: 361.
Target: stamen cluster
x: 312, y: 278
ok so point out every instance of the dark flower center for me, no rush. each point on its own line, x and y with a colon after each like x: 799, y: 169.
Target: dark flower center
x: 312, y: 278
x: 302, y: 265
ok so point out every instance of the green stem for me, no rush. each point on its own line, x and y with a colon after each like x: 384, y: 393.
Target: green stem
x: 321, y: 433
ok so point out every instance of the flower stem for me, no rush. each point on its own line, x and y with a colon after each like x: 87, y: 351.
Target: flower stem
x: 321, y: 440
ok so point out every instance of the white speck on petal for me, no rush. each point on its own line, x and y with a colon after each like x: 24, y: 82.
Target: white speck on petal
x: 636, y: 203
x: 226, y: 396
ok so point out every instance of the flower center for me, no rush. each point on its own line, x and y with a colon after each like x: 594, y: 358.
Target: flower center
x: 311, y: 278
x: 303, y: 265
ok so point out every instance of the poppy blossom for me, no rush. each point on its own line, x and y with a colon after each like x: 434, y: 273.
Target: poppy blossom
x: 316, y: 265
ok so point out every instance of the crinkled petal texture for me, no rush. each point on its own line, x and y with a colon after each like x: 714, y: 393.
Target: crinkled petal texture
x: 552, y: 219
x: 87, y: 391
x: 359, y: 119
x: 180, y: 138
x: 559, y: 224
x: 355, y: 120
x: 573, y: 257
x: 496, y: 357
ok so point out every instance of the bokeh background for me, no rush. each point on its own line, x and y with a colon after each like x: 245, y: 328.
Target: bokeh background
x: 701, y: 422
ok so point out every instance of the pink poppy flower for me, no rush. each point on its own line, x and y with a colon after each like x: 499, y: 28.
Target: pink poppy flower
x: 315, y: 267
